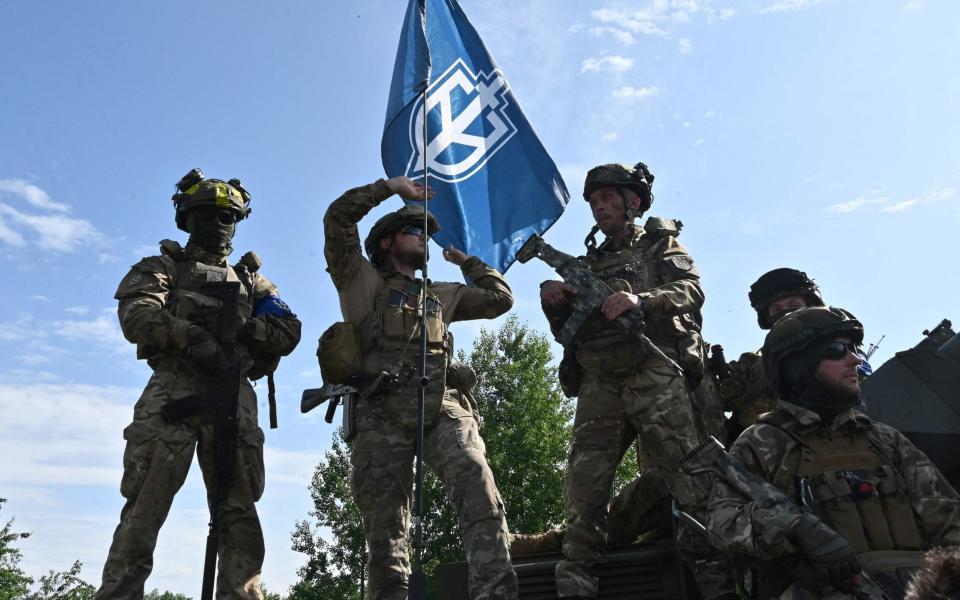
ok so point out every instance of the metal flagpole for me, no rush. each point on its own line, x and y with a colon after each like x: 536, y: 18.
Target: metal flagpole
x: 417, y: 589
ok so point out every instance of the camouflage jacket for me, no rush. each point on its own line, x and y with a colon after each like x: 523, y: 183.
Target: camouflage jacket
x: 746, y: 393
x: 777, y: 449
x: 365, y: 290
x: 160, y: 298
x: 651, y: 262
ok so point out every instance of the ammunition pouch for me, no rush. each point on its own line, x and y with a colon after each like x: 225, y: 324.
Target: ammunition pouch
x: 338, y: 353
x: 570, y: 374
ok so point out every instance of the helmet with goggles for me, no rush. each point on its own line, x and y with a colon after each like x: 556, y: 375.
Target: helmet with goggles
x: 411, y: 215
x: 194, y: 191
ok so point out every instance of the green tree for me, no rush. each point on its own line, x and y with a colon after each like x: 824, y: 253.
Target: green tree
x: 65, y: 585
x: 14, y: 583
x: 157, y: 595
x: 525, y: 423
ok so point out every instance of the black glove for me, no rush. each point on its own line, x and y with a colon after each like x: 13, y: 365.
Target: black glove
x: 204, y: 352
x: 829, y: 553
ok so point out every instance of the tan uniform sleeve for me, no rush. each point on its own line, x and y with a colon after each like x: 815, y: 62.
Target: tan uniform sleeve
x: 736, y: 521
x: 280, y: 334
x: 143, y: 295
x: 681, y: 286
x: 933, y: 499
x: 341, y: 246
x: 488, y: 298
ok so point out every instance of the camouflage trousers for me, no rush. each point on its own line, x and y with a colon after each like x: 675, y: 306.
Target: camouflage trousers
x: 382, y: 453
x: 656, y: 406
x: 155, y: 465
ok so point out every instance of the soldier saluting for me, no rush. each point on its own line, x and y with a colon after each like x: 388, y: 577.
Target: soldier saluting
x: 166, y: 310
x: 379, y: 298
x: 624, y: 390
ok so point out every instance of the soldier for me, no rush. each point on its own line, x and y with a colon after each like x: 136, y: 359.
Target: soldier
x: 164, y: 311
x: 379, y: 297
x: 624, y: 391
x: 871, y: 499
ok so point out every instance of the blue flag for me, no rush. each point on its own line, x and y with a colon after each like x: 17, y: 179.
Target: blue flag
x: 495, y: 183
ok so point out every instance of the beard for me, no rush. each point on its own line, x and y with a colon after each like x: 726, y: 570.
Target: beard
x: 828, y: 398
x: 415, y: 259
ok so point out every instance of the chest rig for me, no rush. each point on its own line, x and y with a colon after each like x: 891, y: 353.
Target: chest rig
x: 847, y: 480
x: 390, y: 335
x: 603, y: 346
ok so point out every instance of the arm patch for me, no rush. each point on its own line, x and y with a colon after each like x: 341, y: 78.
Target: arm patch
x: 683, y: 264
x: 272, y: 305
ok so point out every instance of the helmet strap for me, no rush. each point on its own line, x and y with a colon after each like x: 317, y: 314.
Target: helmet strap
x: 628, y: 213
x: 591, y: 240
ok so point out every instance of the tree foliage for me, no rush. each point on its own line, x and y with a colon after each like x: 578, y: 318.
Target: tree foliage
x: 14, y: 583
x: 525, y: 422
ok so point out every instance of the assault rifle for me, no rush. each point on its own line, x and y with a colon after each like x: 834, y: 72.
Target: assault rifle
x: 591, y: 292
x: 337, y: 394
x: 711, y: 456
x: 223, y: 399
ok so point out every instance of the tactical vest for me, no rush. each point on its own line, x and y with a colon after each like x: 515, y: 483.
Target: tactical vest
x: 604, y: 347
x: 187, y: 300
x: 847, y: 479
x: 390, y: 334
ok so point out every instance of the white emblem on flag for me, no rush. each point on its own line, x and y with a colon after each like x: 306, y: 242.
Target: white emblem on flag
x: 473, y: 123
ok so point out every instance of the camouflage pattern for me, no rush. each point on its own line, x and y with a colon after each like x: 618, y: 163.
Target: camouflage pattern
x: 746, y: 394
x: 158, y: 453
x: 776, y: 448
x: 385, y: 419
x: 653, y: 404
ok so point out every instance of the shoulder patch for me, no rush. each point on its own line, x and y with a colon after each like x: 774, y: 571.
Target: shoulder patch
x: 682, y: 263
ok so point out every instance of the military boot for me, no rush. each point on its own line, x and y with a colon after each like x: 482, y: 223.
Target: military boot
x: 547, y: 542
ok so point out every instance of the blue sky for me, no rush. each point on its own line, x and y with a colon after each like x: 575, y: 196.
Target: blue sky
x: 820, y: 135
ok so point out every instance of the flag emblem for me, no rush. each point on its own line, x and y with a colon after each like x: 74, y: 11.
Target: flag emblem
x: 468, y: 123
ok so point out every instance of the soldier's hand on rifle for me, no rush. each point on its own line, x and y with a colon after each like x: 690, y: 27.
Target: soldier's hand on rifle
x: 204, y: 352
x: 407, y: 188
x: 455, y: 256
x: 618, y: 303
x: 829, y: 553
x: 556, y: 293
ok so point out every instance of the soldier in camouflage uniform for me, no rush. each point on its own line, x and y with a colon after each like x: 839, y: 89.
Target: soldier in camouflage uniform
x: 746, y: 392
x: 624, y: 392
x: 872, y: 500
x: 164, y: 311
x: 379, y: 297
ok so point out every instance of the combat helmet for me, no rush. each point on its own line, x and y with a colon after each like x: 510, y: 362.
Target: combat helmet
x: 793, y: 349
x: 780, y: 283
x: 639, y: 179
x: 411, y: 214
x: 194, y: 191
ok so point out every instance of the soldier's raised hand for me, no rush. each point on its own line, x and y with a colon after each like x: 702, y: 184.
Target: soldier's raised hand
x: 407, y: 188
x: 556, y: 293
x: 455, y: 256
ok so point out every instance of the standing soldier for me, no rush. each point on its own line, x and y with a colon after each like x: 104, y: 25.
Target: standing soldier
x: 624, y: 391
x: 164, y: 311
x: 870, y: 499
x: 379, y: 300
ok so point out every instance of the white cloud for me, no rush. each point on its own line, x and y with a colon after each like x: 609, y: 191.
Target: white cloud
x: 621, y: 36
x: 50, y: 229
x: 609, y: 137
x: 782, y: 6
x: 914, y: 5
x: 687, y: 124
x: 685, y: 46
x: 32, y: 194
x: 78, y: 310
x: 855, y: 204
x: 607, y: 63
x: 661, y: 17
x: 629, y: 92
x: 698, y: 143
x: 932, y: 196
x: 104, y: 331
x: 709, y: 114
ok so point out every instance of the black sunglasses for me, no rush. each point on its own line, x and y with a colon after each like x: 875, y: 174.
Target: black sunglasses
x: 836, y: 350
x: 412, y: 230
